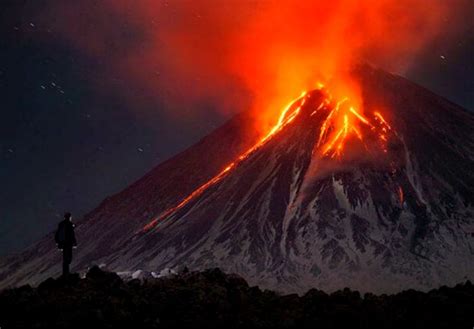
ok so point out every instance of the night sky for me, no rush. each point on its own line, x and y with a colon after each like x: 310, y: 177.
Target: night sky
x: 73, y: 131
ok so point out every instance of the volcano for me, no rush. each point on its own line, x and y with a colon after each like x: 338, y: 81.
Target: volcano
x: 378, y: 198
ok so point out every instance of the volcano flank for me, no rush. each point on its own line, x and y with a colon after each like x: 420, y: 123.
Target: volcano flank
x: 376, y: 196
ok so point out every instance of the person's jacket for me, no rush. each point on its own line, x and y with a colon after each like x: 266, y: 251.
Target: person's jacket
x: 65, y: 236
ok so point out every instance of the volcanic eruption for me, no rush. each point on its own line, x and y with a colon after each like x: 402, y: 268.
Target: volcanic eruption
x: 340, y: 122
x: 373, y: 194
x: 348, y: 175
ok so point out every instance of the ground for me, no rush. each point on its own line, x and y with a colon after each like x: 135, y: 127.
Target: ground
x: 214, y: 299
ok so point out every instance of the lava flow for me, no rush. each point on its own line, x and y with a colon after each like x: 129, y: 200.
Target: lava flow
x: 342, y: 121
x: 286, y: 117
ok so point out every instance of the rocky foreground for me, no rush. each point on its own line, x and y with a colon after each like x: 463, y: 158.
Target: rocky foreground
x: 213, y: 299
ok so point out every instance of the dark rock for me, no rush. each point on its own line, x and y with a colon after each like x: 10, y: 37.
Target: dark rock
x: 98, y: 276
x: 49, y: 283
x: 214, y: 299
x: 70, y: 279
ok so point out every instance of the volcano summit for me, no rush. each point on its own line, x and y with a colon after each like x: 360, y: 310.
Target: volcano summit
x: 376, y: 198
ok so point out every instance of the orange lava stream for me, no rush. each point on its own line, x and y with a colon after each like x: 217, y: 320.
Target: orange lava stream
x: 284, y: 119
x: 400, y: 194
x: 380, y: 117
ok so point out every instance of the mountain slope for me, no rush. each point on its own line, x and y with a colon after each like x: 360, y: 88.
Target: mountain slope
x: 118, y: 216
x: 392, y: 213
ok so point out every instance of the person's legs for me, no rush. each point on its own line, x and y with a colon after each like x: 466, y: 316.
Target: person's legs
x: 67, y: 258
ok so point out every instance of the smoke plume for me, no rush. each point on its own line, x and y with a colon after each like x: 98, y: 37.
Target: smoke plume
x: 248, y: 54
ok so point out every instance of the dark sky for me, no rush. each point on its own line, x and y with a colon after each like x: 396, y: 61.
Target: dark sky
x: 68, y: 140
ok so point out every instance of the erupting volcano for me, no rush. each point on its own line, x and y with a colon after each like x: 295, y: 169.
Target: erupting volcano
x: 372, y: 191
x: 341, y: 121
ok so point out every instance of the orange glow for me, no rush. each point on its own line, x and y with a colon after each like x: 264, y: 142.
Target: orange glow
x: 400, y: 194
x: 343, y: 121
x: 285, y: 48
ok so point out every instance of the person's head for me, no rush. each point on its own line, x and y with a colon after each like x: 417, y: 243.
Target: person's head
x: 68, y: 216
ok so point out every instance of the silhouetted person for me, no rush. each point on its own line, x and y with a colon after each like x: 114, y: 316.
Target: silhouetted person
x: 66, y: 240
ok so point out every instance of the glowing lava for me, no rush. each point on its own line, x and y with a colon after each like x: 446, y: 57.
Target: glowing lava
x: 341, y: 122
x: 286, y: 117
